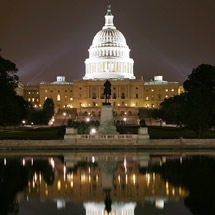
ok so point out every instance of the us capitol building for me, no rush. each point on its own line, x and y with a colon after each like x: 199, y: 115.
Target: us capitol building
x: 109, y: 58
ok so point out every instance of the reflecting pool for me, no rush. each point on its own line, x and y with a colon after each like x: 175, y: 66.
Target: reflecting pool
x: 115, y: 183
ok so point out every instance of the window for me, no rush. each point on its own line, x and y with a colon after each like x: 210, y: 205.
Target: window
x: 123, y: 96
x: 136, y: 96
x: 94, y: 96
x: 58, y: 97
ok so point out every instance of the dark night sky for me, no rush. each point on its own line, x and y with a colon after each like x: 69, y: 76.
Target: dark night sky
x: 46, y: 38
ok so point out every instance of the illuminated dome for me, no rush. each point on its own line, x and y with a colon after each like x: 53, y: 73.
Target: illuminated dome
x: 109, y: 56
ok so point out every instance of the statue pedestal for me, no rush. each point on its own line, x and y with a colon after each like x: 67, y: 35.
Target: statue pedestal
x: 143, y: 136
x: 106, y: 120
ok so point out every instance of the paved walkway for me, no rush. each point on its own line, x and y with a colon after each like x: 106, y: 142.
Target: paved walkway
x: 159, y: 145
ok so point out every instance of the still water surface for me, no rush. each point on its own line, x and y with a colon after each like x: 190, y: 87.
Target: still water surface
x: 118, y: 183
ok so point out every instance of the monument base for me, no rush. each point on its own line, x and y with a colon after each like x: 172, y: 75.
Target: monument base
x: 106, y: 120
x: 107, y: 133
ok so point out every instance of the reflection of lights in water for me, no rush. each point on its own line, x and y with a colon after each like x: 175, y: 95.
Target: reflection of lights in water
x: 125, y: 165
x: 159, y: 203
x: 116, y: 208
x: 5, y: 161
x: 93, y: 159
x: 61, y: 203
x: 32, y: 161
x: 153, y: 176
x: 40, y: 178
x: 134, y: 178
x: 148, y: 178
x: 52, y: 162
x: 58, y: 185
x: 181, y: 160
x: 23, y: 162
x: 83, y: 178
x: 64, y: 172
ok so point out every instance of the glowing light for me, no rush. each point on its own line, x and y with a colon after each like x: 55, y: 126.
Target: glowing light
x: 159, y: 203
x: 134, y: 178
x: 64, y: 172
x: 83, y: 178
x: 125, y: 165
x: 93, y: 159
x: 119, y: 179
x: 23, y: 162
x: 93, y: 131
x: 59, y: 185
x: 87, y: 119
x: 52, y: 163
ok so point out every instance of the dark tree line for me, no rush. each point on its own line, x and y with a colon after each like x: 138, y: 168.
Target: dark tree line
x: 196, y: 107
x: 13, y: 108
x: 42, y: 116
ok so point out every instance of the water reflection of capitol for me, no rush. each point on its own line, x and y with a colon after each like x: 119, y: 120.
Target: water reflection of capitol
x: 87, y: 179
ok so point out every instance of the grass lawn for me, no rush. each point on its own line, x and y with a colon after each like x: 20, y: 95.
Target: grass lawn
x: 52, y: 133
x: 156, y: 132
x: 56, y: 133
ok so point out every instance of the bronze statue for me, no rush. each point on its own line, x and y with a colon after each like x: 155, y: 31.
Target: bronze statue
x: 107, y: 91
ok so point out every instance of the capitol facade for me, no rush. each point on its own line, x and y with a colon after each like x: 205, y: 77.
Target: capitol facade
x: 109, y: 58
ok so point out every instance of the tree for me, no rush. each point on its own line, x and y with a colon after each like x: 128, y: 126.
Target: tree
x: 200, y: 87
x: 173, y: 110
x: 13, y: 108
x: 42, y: 116
x: 48, y: 110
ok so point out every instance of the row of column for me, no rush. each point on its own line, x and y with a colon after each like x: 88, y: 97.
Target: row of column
x: 109, y: 67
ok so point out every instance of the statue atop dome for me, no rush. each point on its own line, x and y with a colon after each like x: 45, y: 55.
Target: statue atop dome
x: 109, y: 8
